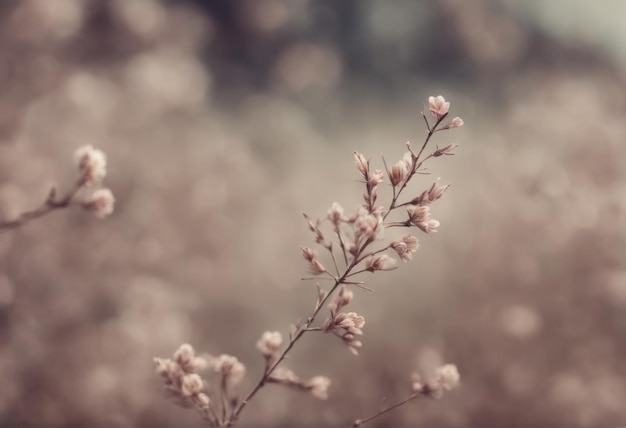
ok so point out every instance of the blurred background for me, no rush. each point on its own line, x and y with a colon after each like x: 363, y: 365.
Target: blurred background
x: 224, y: 120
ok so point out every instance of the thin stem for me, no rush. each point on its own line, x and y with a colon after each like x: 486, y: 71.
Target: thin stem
x: 50, y: 204
x: 360, y: 259
x: 416, y: 164
x: 358, y: 272
x: 299, y: 333
x: 398, y: 224
x: 211, y: 415
x: 341, y: 244
x: 332, y: 255
x: 359, y: 422
x: 223, y: 397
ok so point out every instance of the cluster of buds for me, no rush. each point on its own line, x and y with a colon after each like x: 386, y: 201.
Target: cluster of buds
x: 372, y: 180
x: 315, y: 266
x: 182, y: 380
x: 341, y: 299
x: 188, y: 389
x: 420, y: 216
x: 315, y: 228
x: 91, y: 165
x: 346, y: 326
x: 268, y: 344
x: 335, y: 214
x: 446, y: 379
x: 370, y: 220
x: 229, y: 368
x: 368, y: 226
x: 317, y: 386
x: 406, y: 247
x: 431, y: 195
x: 379, y: 262
x: 399, y: 171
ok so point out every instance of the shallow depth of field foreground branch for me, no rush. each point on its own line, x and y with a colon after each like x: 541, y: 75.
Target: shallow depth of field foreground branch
x: 91, y: 165
x: 355, y: 245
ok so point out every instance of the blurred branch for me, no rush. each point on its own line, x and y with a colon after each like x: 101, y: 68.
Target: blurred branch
x: 50, y: 204
x: 360, y: 422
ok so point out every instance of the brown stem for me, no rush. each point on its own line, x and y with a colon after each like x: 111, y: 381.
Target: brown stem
x: 50, y: 204
x: 359, y: 422
x: 299, y: 333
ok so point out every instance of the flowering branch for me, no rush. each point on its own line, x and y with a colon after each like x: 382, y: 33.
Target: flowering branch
x: 356, y: 236
x: 92, y: 168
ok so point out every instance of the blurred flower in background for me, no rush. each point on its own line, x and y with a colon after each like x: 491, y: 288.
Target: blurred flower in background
x: 222, y: 121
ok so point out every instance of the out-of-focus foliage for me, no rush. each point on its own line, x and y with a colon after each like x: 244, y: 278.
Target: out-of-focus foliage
x: 224, y: 120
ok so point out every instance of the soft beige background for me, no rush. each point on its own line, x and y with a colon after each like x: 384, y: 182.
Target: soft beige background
x: 223, y: 121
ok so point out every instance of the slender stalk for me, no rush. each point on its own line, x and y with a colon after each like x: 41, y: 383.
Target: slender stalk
x: 50, y: 204
x: 359, y: 422
x: 298, y: 334
x: 341, y: 243
x: 224, y: 401
x: 211, y: 416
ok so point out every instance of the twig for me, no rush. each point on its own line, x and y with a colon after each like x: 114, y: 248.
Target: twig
x: 50, y: 204
x: 359, y: 422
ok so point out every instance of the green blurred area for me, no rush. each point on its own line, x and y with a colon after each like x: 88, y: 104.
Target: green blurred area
x: 223, y: 121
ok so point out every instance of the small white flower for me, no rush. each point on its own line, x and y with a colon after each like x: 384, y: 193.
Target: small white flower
x: 438, y: 106
x: 398, y: 172
x: 203, y: 400
x: 368, y: 226
x: 335, y: 213
x: 184, y: 354
x: 362, y: 164
x: 269, y: 343
x: 101, y: 202
x: 435, y: 192
x: 380, y: 262
x: 418, y: 214
x: 406, y: 247
x: 447, y: 377
x: 457, y: 122
x: 346, y: 296
x: 164, y: 366
x: 91, y: 164
x: 376, y: 178
x: 191, y: 385
x: 229, y: 367
x: 351, y: 322
x: 430, y: 226
x: 318, y: 386
x: 315, y: 266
